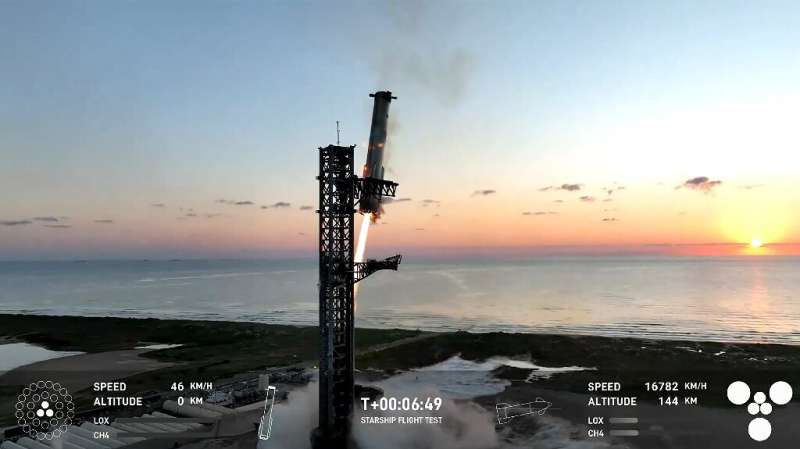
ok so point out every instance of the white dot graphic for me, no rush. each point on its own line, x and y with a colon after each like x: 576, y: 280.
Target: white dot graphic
x: 40, y: 413
x: 759, y: 429
x: 738, y: 392
x: 766, y: 408
x: 752, y: 408
x: 45, y: 404
x: 780, y: 393
x: 760, y: 397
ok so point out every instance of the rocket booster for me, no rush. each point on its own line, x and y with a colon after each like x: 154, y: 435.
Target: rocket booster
x: 377, y: 141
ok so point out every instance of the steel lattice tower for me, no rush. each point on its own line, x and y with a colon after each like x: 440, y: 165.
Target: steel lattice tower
x: 339, y: 192
x: 336, y: 199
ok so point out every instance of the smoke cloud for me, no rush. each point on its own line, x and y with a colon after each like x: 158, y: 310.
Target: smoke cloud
x: 405, y: 58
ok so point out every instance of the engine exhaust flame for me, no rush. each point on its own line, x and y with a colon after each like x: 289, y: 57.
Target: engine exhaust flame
x: 361, y: 246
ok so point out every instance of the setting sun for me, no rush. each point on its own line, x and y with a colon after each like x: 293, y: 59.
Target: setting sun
x: 756, y: 243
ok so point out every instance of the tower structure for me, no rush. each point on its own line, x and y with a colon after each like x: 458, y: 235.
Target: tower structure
x: 340, y: 192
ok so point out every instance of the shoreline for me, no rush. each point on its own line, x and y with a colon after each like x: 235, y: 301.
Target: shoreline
x: 220, y: 351
x: 765, y: 339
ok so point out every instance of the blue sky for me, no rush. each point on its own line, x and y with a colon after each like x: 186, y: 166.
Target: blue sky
x: 109, y: 107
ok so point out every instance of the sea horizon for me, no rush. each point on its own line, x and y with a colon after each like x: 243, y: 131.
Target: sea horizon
x: 721, y: 298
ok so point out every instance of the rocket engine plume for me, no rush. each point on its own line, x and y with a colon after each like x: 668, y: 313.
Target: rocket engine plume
x: 361, y: 245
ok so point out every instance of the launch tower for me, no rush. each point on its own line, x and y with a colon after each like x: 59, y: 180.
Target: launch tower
x: 340, y: 193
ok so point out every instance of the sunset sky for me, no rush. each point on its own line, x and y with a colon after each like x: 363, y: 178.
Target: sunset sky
x: 190, y: 129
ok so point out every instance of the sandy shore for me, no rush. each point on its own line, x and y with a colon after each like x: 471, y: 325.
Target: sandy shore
x: 80, y: 371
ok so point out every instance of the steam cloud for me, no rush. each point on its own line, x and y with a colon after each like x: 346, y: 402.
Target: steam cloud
x: 468, y: 427
x: 465, y: 426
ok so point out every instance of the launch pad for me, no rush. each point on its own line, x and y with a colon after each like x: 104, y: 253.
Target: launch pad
x: 340, y: 193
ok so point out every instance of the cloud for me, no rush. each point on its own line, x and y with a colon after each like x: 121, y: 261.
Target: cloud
x: 610, y: 190
x: 235, y: 202
x: 567, y: 187
x: 191, y: 214
x: 610, y: 219
x: 484, y: 192
x: 47, y: 219
x: 751, y: 186
x: 104, y: 221
x: 60, y: 226
x: 278, y: 205
x: 15, y: 222
x: 540, y: 212
x: 608, y: 200
x: 158, y: 205
x: 558, y: 201
x: 306, y: 207
x: 588, y: 199
x: 428, y: 202
x: 700, y: 183
x: 401, y: 56
x: 419, y: 229
x: 395, y: 200
x: 212, y: 215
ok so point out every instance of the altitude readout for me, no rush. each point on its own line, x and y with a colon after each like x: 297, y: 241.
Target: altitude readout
x: 402, y: 404
x: 673, y: 394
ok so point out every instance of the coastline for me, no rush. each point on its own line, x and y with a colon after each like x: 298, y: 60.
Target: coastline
x: 217, y: 350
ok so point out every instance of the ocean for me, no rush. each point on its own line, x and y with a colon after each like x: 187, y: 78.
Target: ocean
x: 739, y: 299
